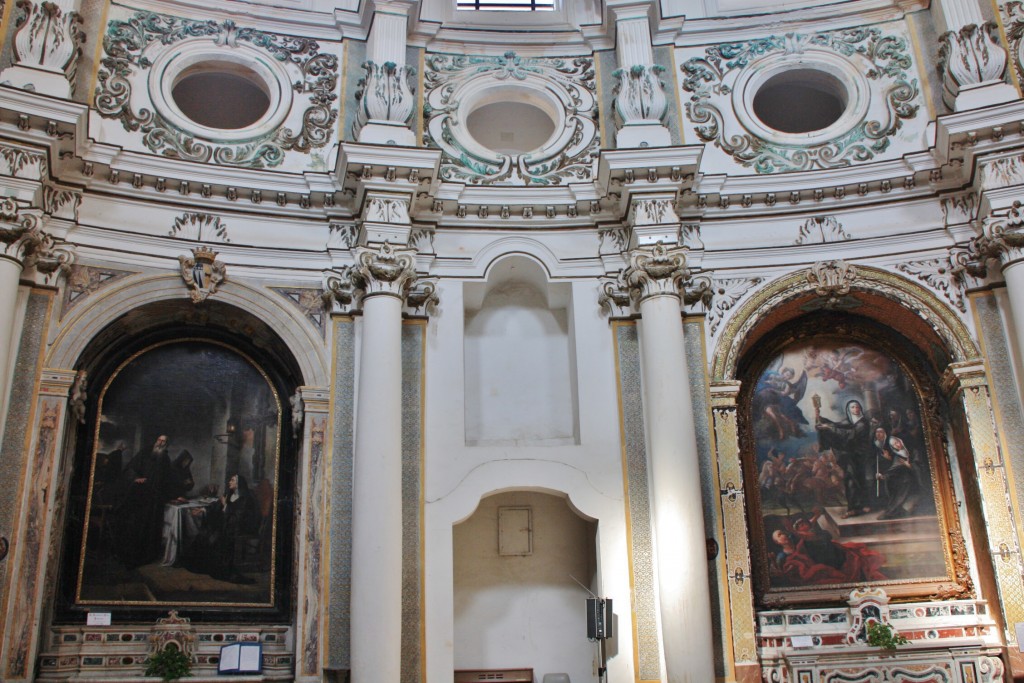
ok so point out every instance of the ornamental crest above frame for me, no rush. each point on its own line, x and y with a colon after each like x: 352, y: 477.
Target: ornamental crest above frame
x: 202, y: 273
x: 872, y: 67
x: 563, y: 88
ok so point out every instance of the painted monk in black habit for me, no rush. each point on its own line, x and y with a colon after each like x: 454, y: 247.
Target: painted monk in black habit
x: 141, y: 511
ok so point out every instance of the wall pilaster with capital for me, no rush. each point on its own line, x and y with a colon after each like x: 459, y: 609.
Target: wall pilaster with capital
x: 967, y: 386
x: 310, y: 627
x: 32, y: 538
x: 732, y: 500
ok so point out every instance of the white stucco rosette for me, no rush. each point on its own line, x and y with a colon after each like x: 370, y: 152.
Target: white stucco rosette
x: 563, y: 89
x: 871, y: 69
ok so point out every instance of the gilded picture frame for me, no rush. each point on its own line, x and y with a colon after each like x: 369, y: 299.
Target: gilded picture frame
x: 183, y: 496
x: 846, y: 469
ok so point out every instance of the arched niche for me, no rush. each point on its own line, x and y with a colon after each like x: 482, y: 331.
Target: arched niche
x: 520, y: 376
x: 874, y: 294
x: 189, y: 404
x: 516, y: 603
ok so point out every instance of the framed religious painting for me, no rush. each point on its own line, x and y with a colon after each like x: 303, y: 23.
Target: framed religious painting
x: 182, y: 501
x: 846, y: 470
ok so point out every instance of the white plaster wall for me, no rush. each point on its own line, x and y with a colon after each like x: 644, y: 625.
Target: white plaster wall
x: 457, y: 476
x: 524, y: 611
x: 519, y: 385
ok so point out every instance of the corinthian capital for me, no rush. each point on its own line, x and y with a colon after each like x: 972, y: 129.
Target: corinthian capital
x: 1003, y: 236
x: 970, y: 56
x: 385, y: 270
x: 23, y: 239
x: 655, y: 271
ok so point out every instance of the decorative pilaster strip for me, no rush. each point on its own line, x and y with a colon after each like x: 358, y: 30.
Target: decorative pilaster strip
x: 385, y: 94
x: 635, y: 473
x: 32, y: 537
x: 966, y: 383
x: 309, y: 654
x: 970, y: 56
x: 49, y: 39
x: 640, y: 94
x: 734, y: 521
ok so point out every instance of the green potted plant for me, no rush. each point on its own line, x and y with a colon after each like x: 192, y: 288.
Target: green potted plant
x: 169, y: 663
x: 883, y: 636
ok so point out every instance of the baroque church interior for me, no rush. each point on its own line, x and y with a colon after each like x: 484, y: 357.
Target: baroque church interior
x: 526, y: 341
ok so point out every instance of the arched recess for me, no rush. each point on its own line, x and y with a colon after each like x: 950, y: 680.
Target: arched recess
x: 187, y: 403
x: 874, y: 293
x: 585, y: 496
x: 516, y: 603
x: 293, y: 330
x: 939, y: 352
x: 520, y: 378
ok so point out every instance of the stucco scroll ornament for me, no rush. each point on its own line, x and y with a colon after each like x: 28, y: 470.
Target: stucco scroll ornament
x: 341, y: 289
x: 202, y: 273
x: 884, y: 60
x: 640, y: 94
x: 1003, y: 235
x: 831, y: 280
x: 49, y: 37
x: 23, y: 238
x: 385, y: 270
x: 970, y: 56
x: 942, y: 275
x: 727, y: 291
x: 388, y: 210
x: 386, y: 93
x: 79, y: 396
x: 131, y: 47
x: 568, y: 88
x: 298, y: 407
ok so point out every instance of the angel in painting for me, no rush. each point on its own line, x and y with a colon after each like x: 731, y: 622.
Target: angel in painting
x: 776, y: 398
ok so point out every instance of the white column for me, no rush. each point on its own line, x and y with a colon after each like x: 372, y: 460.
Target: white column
x: 1003, y: 239
x: 376, y: 616
x: 656, y: 275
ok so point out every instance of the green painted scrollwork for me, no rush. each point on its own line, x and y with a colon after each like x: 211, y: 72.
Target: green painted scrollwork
x: 885, y: 60
x: 125, y: 46
x: 568, y: 157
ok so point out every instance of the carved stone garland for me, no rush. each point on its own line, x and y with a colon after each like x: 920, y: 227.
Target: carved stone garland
x: 884, y: 60
x: 128, y: 48
x: 569, y: 156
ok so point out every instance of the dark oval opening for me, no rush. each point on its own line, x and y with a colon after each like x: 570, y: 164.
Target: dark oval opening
x: 221, y: 98
x: 510, y: 127
x: 800, y: 101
